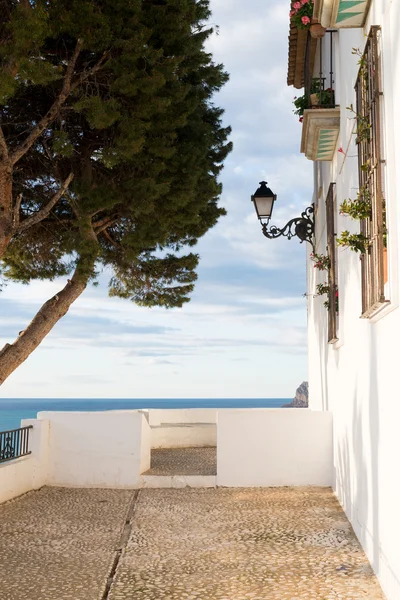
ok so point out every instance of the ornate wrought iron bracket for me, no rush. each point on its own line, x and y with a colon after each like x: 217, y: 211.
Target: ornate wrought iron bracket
x: 301, y: 227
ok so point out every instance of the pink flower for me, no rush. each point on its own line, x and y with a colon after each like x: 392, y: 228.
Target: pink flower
x: 296, y: 5
x: 304, y: 1
x: 305, y: 20
x: 341, y: 150
x: 301, y: 119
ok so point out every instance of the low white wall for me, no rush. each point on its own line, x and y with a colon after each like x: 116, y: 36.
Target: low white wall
x: 97, y: 449
x: 184, y: 436
x: 158, y: 416
x: 274, y: 447
x: 145, y: 445
x: 29, y: 472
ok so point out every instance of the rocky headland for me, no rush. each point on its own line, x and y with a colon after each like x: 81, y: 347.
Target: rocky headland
x: 301, y: 398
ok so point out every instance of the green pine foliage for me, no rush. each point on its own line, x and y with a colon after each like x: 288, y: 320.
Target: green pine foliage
x: 140, y: 133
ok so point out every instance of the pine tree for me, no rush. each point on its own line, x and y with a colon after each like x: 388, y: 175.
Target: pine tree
x: 118, y: 169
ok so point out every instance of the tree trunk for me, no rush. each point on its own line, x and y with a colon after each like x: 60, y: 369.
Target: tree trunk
x: 13, y: 355
x: 6, y: 214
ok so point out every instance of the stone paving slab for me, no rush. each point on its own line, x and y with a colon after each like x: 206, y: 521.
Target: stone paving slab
x: 183, y: 461
x: 58, y: 544
x: 242, y: 544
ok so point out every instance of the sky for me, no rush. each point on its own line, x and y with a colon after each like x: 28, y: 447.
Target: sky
x: 243, y: 335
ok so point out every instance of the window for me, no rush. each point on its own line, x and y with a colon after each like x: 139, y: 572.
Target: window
x: 373, y: 228
x: 332, y: 273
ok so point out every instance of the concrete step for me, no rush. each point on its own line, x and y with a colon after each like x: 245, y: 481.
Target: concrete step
x: 178, y: 481
x: 181, y: 467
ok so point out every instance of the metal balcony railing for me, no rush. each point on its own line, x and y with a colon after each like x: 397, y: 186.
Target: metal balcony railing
x: 14, y: 443
x: 320, y: 88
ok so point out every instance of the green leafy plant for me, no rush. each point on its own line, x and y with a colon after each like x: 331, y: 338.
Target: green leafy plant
x: 357, y: 242
x: 325, y: 97
x: 360, y: 208
x: 324, y: 288
x: 363, y: 130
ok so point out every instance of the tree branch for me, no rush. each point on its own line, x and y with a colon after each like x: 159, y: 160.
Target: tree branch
x: 103, y: 224
x: 83, y: 76
x: 13, y: 355
x: 16, y: 212
x: 67, y: 88
x: 43, y: 212
x: 3, y: 146
x: 110, y: 239
x: 54, y: 109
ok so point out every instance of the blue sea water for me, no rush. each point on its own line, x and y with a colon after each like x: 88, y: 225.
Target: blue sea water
x: 12, y: 410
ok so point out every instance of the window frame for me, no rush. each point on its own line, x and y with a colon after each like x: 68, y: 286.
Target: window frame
x: 330, y: 208
x: 370, y: 173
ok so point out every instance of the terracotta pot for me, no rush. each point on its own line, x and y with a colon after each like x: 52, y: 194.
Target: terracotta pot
x: 314, y: 99
x: 316, y: 29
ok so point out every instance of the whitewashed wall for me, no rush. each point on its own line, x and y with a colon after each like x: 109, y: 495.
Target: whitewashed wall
x: 97, y: 449
x: 158, y: 416
x: 188, y: 435
x: 28, y: 472
x: 357, y: 378
x: 274, y: 447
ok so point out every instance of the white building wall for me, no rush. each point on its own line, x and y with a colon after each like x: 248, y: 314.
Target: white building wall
x: 357, y: 378
x: 274, y: 447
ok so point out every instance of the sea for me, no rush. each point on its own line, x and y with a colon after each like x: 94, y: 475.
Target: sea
x: 12, y: 410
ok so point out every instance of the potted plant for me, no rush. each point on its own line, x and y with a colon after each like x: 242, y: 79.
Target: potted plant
x: 318, y: 98
x: 301, y: 15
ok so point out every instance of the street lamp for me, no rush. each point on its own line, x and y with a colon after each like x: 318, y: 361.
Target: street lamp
x: 302, y: 227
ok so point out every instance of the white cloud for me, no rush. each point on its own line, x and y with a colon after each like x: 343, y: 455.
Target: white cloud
x: 244, y: 333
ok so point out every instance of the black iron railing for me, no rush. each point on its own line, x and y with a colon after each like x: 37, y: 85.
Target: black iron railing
x: 320, y: 88
x: 14, y: 443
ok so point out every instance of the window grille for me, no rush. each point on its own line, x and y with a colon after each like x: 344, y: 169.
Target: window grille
x: 330, y: 203
x: 368, y: 91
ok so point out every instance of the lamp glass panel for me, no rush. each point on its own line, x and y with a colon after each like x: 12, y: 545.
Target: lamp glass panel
x: 264, y: 207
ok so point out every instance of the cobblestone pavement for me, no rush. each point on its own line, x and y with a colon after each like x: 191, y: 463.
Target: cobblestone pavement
x: 240, y: 544
x: 183, y: 461
x: 58, y: 544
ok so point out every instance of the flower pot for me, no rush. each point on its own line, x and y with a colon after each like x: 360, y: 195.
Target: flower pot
x: 316, y: 29
x: 314, y: 99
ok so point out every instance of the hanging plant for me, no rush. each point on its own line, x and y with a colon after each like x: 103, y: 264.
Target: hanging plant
x: 357, y: 242
x: 360, y: 208
x: 324, y: 288
x: 363, y: 130
x: 322, y: 261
